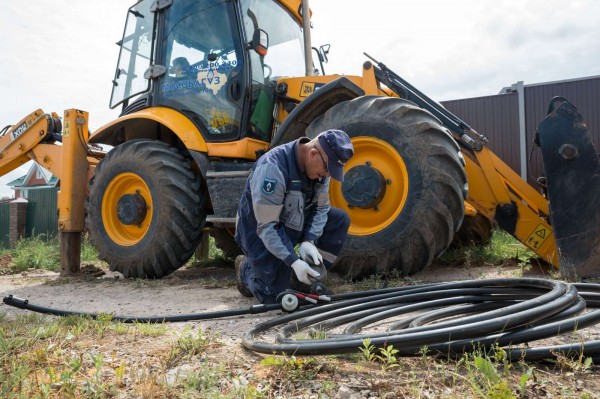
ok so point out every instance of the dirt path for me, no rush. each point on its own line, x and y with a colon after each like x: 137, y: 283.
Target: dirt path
x: 188, y: 290
x: 191, y: 290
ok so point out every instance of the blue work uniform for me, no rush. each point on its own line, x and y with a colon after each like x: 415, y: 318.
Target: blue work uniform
x: 281, y: 207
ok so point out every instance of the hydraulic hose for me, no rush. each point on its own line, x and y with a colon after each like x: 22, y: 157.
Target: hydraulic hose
x: 446, y: 318
x: 254, y: 309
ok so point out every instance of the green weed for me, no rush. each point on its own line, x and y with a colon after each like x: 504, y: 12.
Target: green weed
x: 88, y: 251
x: 502, y: 246
x: 294, y: 368
x: 206, y: 380
x: 187, y: 346
x: 102, y: 324
x: 150, y: 329
x: 488, y: 377
x: 43, y: 252
x: 567, y: 363
x: 368, y: 351
x: 387, y: 357
x: 37, y: 252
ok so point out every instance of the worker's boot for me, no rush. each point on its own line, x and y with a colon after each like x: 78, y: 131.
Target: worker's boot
x: 240, y: 284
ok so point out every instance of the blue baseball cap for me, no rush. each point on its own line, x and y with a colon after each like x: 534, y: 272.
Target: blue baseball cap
x: 339, y: 150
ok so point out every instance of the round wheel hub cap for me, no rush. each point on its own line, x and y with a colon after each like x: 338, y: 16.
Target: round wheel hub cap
x: 363, y: 187
x: 131, y: 209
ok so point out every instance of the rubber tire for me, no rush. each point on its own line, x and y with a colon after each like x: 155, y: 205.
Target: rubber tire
x: 475, y: 230
x: 433, y: 209
x: 178, y: 213
x: 225, y: 241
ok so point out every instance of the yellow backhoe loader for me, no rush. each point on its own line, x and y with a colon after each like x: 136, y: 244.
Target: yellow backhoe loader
x: 208, y: 86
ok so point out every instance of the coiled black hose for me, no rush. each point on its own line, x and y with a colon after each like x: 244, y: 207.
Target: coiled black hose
x: 445, y: 318
x: 482, y: 314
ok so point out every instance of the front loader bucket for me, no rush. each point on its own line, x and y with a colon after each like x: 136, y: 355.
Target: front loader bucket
x: 572, y: 170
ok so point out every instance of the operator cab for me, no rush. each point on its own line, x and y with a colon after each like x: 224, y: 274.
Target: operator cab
x: 198, y: 57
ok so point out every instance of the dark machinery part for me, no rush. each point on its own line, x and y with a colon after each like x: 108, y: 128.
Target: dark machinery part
x: 572, y: 177
x: 507, y: 216
x: 131, y: 209
x: 317, y: 287
x: 363, y: 186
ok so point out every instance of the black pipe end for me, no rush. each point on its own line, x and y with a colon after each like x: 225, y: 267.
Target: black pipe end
x: 15, y: 301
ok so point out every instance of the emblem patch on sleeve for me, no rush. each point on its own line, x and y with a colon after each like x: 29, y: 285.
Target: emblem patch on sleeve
x: 269, y: 185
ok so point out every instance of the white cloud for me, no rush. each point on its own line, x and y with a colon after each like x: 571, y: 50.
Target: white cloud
x: 59, y: 55
x: 458, y: 49
x: 55, y: 56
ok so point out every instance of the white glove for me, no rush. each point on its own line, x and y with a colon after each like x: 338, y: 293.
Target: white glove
x: 308, y: 250
x: 303, y: 271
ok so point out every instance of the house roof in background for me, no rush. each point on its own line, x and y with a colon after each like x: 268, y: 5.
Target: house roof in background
x: 47, y: 176
x: 17, y: 182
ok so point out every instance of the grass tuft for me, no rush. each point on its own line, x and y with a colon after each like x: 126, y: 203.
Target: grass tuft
x: 502, y: 246
x: 37, y: 252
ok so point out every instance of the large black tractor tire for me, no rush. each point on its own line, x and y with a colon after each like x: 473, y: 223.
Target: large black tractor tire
x: 403, y: 188
x: 145, y: 210
x: 224, y: 240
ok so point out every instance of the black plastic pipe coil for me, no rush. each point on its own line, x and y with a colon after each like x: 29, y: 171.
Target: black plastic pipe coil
x: 445, y: 318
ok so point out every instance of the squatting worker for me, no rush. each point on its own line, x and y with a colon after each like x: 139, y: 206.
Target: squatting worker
x: 286, y: 202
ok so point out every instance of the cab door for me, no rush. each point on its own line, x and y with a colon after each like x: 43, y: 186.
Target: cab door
x: 204, y: 61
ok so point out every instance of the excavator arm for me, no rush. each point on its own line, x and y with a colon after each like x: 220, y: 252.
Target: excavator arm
x: 33, y: 133
x: 562, y: 226
x: 63, y: 151
x: 500, y: 194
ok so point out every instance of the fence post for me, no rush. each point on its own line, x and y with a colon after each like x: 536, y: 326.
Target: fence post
x: 17, y: 220
x: 522, y: 130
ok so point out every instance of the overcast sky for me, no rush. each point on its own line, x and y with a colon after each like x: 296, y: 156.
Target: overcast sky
x: 62, y: 54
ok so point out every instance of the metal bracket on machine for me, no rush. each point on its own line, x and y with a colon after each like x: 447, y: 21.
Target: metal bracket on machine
x: 572, y: 170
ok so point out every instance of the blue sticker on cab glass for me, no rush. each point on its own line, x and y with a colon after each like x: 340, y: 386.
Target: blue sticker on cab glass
x: 269, y: 185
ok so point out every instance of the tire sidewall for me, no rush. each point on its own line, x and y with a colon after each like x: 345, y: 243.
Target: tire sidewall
x: 428, y: 212
x: 101, y: 181
x: 414, y: 165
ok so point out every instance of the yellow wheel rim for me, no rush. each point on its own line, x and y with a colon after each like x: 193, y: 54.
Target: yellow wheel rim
x: 381, y: 156
x: 120, y: 233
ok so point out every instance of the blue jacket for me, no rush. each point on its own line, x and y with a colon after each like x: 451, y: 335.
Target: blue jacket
x: 280, y: 206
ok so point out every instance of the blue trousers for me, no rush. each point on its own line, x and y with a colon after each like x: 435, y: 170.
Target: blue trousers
x: 268, y: 276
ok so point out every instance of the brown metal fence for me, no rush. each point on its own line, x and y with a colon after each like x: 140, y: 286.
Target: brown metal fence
x: 497, y: 117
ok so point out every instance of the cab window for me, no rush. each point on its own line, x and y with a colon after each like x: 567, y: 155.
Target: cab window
x: 204, y: 65
x: 285, y: 58
x: 135, y: 54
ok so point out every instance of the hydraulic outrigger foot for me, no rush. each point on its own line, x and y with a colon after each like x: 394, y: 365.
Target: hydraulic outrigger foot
x: 572, y: 170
